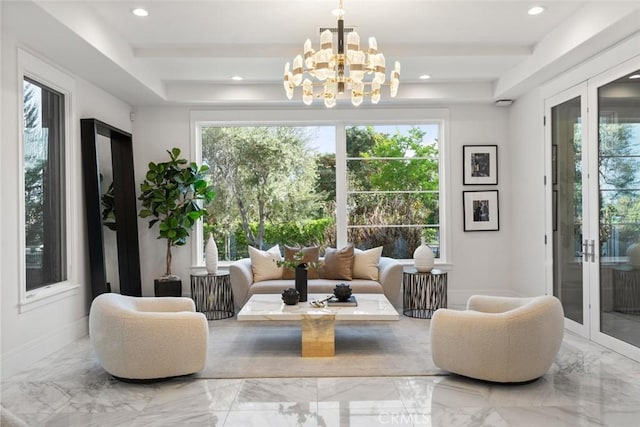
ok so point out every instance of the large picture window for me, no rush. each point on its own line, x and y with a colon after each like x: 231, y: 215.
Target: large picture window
x: 372, y: 185
x: 44, y: 185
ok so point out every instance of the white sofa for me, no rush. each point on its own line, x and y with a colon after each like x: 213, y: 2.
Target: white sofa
x: 498, y: 339
x: 148, y: 338
x: 389, y: 282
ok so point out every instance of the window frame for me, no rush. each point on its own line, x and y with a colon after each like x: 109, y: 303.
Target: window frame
x: 47, y: 75
x: 340, y: 119
x: 441, y: 126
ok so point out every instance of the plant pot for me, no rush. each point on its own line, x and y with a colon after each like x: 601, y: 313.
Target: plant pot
x: 301, y: 281
x: 167, y: 287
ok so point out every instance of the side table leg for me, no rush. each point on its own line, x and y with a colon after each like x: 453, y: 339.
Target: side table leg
x: 318, y: 336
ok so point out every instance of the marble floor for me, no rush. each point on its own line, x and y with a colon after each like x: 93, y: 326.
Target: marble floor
x: 587, y: 386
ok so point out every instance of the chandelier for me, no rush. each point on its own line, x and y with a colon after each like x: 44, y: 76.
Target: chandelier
x: 360, y: 72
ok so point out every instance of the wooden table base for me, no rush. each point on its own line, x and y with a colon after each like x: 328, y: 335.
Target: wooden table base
x: 318, y: 335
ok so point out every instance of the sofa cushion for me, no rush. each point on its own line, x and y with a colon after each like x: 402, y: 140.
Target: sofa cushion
x: 263, y: 263
x: 310, y: 254
x: 365, y: 263
x: 338, y: 263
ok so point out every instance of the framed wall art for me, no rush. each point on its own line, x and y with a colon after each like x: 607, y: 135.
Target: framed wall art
x: 481, y: 211
x: 480, y: 164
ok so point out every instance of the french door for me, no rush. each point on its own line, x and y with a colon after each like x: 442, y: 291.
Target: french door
x: 565, y: 126
x: 593, y: 143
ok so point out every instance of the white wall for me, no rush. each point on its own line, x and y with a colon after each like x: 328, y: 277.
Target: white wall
x: 527, y: 247
x: 31, y: 335
x: 478, y: 258
x: 480, y: 263
x: 155, y: 131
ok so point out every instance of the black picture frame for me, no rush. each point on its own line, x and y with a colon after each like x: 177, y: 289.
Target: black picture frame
x: 480, y: 164
x: 481, y: 210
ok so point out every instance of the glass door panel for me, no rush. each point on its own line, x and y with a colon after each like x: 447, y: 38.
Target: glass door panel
x: 619, y: 207
x: 567, y: 206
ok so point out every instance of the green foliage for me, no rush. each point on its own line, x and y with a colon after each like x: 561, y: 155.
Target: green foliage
x: 30, y: 106
x: 170, y: 196
x: 34, y: 172
x: 108, y: 202
x: 271, y: 187
x: 295, y: 233
x: 617, y: 162
x: 326, y: 183
x: 34, y: 203
x: 261, y: 175
x: 416, y: 169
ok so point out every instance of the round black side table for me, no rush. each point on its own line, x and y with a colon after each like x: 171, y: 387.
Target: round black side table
x: 212, y: 295
x: 423, y: 293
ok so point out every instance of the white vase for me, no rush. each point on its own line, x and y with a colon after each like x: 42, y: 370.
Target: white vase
x: 423, y: 258
x: 211, y: 255
x: 633, y: 254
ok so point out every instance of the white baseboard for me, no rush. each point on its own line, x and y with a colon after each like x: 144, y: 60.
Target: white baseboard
x: 24, y: 356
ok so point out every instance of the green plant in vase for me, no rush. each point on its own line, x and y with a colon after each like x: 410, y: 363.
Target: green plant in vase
x: 171, y: 195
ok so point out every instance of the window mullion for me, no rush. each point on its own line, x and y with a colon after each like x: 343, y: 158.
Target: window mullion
x: 341, y: 185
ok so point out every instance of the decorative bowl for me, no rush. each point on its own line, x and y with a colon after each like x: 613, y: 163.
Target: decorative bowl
x: 342, y: 291
x: 290, y: 296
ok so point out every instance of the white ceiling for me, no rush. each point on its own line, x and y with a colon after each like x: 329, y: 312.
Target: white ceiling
x: 187, y: 51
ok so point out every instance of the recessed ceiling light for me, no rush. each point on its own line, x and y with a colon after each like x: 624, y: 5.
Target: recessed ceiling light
x: 536, y: 10
x: 140, y: 12
x: 634, y: 76
x: 425, y: 77
x: 236, y: 78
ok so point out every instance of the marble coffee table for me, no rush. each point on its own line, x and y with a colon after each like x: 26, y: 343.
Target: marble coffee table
x: 318, y: 324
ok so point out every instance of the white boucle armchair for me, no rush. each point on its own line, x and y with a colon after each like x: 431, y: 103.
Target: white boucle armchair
x: 498, y: 339
x: 148, y: 338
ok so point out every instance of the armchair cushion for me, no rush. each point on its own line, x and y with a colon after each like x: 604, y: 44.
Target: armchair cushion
x: 499, y: 339
x: 148, y: 338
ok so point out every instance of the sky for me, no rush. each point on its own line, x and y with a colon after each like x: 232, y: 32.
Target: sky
x: 325, y: 136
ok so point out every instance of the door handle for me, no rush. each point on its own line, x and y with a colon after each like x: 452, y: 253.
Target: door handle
x: 585, y: 251
x: 592, y: 245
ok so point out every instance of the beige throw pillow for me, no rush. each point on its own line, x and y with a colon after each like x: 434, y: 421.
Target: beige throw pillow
x: 263, y: 264
x: 337, y: 264
x: 365, y: 263
x: 310, y: 254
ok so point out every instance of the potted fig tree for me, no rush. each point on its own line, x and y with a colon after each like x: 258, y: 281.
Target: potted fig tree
x: 171, y: 196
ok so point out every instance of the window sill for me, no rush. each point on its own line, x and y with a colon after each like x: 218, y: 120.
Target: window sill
x: 224, y: 265
x: 47, y: 295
